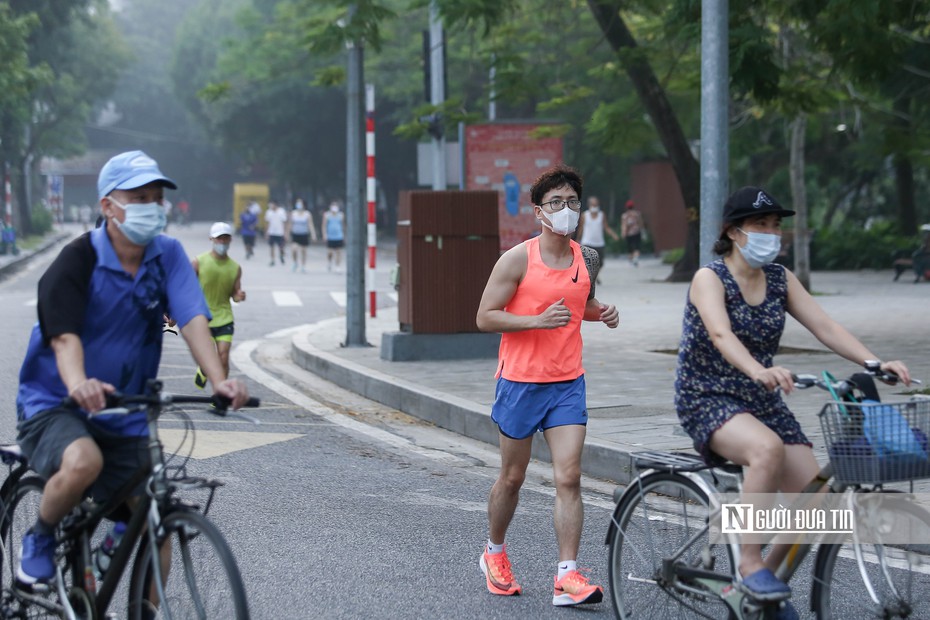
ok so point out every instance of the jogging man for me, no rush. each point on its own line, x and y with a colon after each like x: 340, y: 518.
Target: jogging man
x: 221, y: 280
x: 537, y: 295
x: 101, y: 306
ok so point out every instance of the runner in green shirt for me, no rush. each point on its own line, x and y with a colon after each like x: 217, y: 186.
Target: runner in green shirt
x: 220, y: 278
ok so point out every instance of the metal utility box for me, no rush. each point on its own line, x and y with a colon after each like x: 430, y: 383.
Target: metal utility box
x: 447, y: 244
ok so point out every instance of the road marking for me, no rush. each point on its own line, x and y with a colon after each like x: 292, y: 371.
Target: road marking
x: 217, y: 443
x: 393, y: 296
x: 339, y: 297
x: 286, y: 298
x: 242, y: 357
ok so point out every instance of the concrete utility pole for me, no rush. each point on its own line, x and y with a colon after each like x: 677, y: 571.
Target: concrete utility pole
x: 355, y: 213
x: 437, y: 91
x: 715, y: 107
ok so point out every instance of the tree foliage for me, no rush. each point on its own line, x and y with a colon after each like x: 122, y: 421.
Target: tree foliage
x: 63, y: 60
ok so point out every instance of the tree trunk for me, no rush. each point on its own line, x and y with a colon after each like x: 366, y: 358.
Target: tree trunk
x: 904, y: 173
x: 802, y: 263
x: 18, y: 179
x: 652, y: 96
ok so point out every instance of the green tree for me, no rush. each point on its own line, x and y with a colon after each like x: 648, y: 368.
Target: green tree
x: 73, y: 54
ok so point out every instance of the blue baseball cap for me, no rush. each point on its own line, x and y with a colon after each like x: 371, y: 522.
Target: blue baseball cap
x: 128, y: 171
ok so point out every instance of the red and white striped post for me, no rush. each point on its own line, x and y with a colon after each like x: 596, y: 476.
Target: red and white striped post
x: 372, y: 211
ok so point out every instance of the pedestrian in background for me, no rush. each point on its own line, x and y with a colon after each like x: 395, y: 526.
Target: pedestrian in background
x: 592, y: 227
x: 221, y: 280
x: 300, y: 230
x: 248, y: 227
x: 275, y: 228
x: 334, y: 236
x: 540, y: 379
x: 85, y: 214
x: 632, y: 229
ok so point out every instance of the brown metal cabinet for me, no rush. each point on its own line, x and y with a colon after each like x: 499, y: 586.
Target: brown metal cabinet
x: 447, y: 244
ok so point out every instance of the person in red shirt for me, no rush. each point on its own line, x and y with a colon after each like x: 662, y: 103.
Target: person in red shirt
x: 536, y: 297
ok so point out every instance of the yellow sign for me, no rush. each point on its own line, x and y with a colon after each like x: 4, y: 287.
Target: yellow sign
x: 245, y: 194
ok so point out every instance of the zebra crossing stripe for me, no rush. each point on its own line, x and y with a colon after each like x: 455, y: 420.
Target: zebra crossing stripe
x: 286, y: 298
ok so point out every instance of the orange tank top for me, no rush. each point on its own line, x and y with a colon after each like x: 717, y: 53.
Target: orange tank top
x: 546, y: 355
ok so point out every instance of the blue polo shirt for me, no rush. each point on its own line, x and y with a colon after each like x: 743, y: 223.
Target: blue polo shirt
x: 119, y: 319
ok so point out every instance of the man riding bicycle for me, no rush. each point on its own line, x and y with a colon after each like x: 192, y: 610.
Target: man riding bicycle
x: 101, y: 306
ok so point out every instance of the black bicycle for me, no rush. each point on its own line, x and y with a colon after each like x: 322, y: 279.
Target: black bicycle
x: 182, y: 568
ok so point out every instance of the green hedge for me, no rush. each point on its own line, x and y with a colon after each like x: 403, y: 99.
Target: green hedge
x: 853, y: 247
x: 41, y: 220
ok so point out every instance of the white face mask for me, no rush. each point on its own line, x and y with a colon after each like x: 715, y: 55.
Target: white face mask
x: 220, y: 248
x: 760, y: 249
x: 562, y: 222
x: 143, y: 222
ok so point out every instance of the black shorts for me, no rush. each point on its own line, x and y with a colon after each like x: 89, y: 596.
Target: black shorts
x: 248, y: 240
x: 633, y: 242
x: 301, y: 239
x: 277, y: 240
x: 335, y: 245
x: 223, y: 330
x: 44, y: 437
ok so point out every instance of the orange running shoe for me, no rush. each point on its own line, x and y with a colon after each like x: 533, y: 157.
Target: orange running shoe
x: 498, y: 573
x: 574, y: 589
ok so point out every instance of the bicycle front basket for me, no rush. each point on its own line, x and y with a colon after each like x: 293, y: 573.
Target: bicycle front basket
x: 875, y: 443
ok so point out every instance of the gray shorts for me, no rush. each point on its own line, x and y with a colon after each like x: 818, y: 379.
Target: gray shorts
x: 44, y: 437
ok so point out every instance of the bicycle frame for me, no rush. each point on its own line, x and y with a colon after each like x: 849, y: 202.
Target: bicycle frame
x: 717, y: 584
x: 78, y: 527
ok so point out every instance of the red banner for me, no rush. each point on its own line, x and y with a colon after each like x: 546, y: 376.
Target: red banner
x: 507, y: 157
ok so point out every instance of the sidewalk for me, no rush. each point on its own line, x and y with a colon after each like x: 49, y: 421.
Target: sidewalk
x: 10, y: 263
x: 629, y: 371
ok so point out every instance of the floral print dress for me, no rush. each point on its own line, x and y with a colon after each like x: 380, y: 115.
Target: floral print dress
x: 709, y: 390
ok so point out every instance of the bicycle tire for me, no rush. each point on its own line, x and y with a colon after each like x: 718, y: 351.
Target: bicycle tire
x: 899, y: 574
x: 652, y: 523
x: 20, y: 515
x: 203, y: 580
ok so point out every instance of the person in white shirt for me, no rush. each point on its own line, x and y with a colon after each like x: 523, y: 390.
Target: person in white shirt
x: 592, y: 227
x: 275, y: 223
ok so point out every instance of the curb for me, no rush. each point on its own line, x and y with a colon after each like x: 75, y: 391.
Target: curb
x: 444, y: 410
x: 25, y: 256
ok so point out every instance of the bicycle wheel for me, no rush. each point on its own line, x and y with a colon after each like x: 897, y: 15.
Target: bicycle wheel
x: 898, y: 575
x: 23, y: 601
x: 657, y: 523
x: 203, y: 581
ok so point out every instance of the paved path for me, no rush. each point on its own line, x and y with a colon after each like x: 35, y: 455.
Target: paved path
x: 630, y: 370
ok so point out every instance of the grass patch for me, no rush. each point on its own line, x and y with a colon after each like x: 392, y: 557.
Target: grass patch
x: 29, y: 242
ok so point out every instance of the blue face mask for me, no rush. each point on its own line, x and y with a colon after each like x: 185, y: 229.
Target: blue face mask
x: 760, y: 249
x: 143, y: 222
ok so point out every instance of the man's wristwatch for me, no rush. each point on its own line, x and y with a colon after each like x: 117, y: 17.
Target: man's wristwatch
x: 872, y: 365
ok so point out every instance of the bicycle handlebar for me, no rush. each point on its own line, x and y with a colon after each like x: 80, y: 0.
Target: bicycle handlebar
x: 117, y: 400
x: 843, y: 386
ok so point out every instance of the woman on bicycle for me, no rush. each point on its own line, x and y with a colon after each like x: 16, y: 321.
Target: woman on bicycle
x: 726, y: 383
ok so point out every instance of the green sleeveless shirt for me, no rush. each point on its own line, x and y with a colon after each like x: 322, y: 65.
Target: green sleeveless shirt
x: 217, y: 279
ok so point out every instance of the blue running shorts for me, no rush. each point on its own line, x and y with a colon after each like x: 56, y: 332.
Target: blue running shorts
x: 521, y: 409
